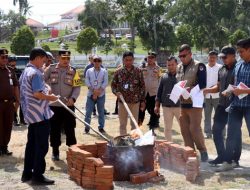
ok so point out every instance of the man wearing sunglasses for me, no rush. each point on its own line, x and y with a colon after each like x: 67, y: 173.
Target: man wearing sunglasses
x: 96, y: 80
x: 151, y: 74
x: 225, y: 78
x: 60, y: 77
x: 9, y: 101
x: 194, y: 73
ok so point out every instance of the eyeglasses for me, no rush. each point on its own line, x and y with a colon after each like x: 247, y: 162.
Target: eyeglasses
x: 65, y: 58
x: 97, y: 60
x: 4, y: 56
x: 183, y: 56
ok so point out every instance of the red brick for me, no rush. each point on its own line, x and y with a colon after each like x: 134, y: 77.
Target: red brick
x: 104, y: 169
x: 88, y: 174
x: 86, y: 170
x: 104, y: 176
x: 88, y: 186
x: 140, y: 178
x: 103, y: 180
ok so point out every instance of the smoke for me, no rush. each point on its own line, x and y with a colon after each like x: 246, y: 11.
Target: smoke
x: 130, y: 161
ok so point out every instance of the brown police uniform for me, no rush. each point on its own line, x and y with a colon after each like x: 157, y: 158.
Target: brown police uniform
x: 8, y: 82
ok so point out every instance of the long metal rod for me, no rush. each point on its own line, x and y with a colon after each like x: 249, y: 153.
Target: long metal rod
x: 129, y: 112
x: 81, y: 120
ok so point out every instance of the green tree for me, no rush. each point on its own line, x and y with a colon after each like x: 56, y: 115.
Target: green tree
x: 23, y: 41
x: 86, y: 40
x: 24, y: 7
x: 184, y: 34
x: 107, y: 47
x: 236, y: 36
x: 45, y: 47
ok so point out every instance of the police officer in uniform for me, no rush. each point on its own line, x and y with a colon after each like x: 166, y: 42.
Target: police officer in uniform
x: 9, y: 101
x: 60, y: 77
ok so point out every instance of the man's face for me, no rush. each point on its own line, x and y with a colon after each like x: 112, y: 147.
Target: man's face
x: 12, y: 64
x: 185, y: 56
x: 151, y: 59
x: 40, y: 61
x: 3, y: 59
x: 48, y: 61
x: 128, y: 61
x: 97, y: 63
x: 212, y: 59
x: 64, y: 61
x: 244, y: 53
x: 171, y: 66
x: 228, y: 59
x: 91, y: 60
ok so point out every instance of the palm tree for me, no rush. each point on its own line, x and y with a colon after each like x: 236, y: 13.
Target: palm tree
x: 24, y: 7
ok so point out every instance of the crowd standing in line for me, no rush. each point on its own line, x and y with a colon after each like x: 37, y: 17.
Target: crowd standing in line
x: 225, y: 87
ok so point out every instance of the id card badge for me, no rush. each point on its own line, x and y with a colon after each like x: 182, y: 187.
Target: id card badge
x: 11, y: 82
x: 95, y: 82
x: 125, y: 86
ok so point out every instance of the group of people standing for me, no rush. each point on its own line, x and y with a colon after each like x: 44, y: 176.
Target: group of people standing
x: 143, y: 88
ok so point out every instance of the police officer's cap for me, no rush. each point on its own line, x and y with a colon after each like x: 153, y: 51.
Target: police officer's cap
x: 226, y: 50
x: 152, y: 53
x: 64, y: 53
x: 49, y: 54
x: 3, y: 51
x: 213, y: 52
x: 97, y: 57
x: 12, y: 58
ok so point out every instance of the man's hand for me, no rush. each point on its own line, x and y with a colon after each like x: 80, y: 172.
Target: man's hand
x: 70, y: 102
x: 97, y: 92
x: 52, y: 97
x: 238, y: 91
x: 205, y: 91
x: 157, y: 110
x: 142, y: 106
x: 118, y: 94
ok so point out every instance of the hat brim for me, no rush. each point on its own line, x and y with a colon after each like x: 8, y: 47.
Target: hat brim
x: 222, y: 55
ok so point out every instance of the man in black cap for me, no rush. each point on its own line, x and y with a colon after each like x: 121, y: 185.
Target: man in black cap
x: 240, y: 106
x: 60, y: 77
x: 225, y: 78
x: 151, y: 74
x: 18, y: 72
x: 9, y: 101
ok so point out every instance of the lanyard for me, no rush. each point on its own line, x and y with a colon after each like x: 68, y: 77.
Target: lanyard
x: 96, y: 75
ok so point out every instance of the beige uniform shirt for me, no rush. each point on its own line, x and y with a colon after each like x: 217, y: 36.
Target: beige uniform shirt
x: 61, y: 82
x: 151, y: 76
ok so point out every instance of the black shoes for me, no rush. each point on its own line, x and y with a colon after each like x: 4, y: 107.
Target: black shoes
x: 208, y: 136
x: 102, y: 130
x: 42, y: 181
x: 86, y: 130
x: 204, y: 156
x: 106, y: 113
x: 115, y: 113
x: 26, y: 177
x: 215, y: 162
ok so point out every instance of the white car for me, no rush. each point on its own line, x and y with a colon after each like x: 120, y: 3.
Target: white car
x: 118, y: 36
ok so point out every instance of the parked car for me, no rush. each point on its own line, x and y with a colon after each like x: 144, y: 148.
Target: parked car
x: 128, y: 36
x: 21, y: 61
x: 118, y: 36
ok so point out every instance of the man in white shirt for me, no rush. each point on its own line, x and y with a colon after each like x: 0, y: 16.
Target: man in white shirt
x: 211, y: 99
x: 96, y: 80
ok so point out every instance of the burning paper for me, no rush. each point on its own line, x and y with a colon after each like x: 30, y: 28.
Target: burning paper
x: 147, y: 139
x: 178, y: 90
x: 197, y: 97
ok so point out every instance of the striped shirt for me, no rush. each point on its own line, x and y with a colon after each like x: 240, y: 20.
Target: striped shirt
x: 242, y: 74
x: 31, y: 81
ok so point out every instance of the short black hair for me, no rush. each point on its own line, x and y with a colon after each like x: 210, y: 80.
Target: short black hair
x: 128, y: 54
x: 244, y: 43
x: 37, y: 52
x: 172, y: 58
x: 184, y: 47
x: 213, y: 52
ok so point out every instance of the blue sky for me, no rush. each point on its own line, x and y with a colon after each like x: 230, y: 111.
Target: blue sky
x: 45, y: 11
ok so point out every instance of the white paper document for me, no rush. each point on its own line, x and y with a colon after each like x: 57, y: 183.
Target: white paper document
x: 197, y: 97
x: 242, y: 86
x: 178, y: 90
x: 229, y: 89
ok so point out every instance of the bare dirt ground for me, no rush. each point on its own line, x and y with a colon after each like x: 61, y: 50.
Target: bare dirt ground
x: 11, y: 167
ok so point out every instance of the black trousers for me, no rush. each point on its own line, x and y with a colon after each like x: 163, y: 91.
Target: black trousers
x: 62, y: 119
x: 36, y: 148
x: 150, y: 105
